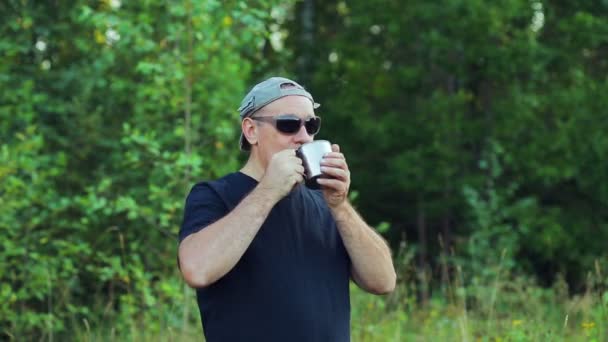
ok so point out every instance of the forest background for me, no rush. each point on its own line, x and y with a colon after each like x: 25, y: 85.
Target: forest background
x: 475, y: 132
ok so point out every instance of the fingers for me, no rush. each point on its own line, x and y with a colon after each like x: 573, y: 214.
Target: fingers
x: 300, y: 170
x: 297, y: 166
x: 288, y: 155
x: 333, y: 155
x: 297, y: 178
x: 286, y: 152
x: 333, y: 184
x: 337, y: 161
x: 335, y: 172
x: 289, y: 165
x: 334, y: 164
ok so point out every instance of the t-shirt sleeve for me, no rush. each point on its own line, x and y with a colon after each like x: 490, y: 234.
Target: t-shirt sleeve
x: 203, y: 207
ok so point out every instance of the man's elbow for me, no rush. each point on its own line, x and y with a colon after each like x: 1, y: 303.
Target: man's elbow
x: 379, y: 286
x: 194, y: 275
x: 387, y: 289
x: 194, y: 279
x: 383, y: 288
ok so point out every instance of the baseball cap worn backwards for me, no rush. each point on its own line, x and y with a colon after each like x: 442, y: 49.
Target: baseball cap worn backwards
x: 266, y: 92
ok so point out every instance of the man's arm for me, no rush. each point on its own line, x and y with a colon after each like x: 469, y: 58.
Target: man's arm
x: 372, y: 265
x: 210, y: 253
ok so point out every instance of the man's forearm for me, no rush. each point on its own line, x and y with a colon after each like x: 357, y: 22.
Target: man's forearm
x: 372, y: 264
x: 210, y: 253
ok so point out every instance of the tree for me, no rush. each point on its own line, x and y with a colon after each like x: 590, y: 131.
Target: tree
x: 110, y: 113
x: 423, y: 95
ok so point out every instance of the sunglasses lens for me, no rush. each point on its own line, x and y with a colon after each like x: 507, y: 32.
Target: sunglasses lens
x: 291, y: 125
x: 313, y: 125
x: 288, y: 125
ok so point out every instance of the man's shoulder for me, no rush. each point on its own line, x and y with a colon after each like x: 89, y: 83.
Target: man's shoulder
x: 231, y: 179
x: 229, y: 188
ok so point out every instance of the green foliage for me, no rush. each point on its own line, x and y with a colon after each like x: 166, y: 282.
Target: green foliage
x: 35, y: 266
x: 432, y: 91
x: 483, y: 123
x: 110, y: 111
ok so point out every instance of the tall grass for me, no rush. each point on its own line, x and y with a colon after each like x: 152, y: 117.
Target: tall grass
x: 509, y: 308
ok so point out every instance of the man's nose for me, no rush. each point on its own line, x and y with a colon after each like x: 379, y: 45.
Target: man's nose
x: 302, y: 136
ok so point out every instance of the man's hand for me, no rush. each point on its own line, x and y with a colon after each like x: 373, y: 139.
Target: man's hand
x: 284, y: 171
x: 335, y: 189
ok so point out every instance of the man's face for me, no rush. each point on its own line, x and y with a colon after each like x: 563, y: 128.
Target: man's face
x: 270, y: 140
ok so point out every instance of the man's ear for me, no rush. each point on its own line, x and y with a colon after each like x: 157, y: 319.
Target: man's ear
x: 250, y: 131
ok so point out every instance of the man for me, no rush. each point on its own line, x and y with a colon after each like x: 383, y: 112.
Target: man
x: 270, y: 258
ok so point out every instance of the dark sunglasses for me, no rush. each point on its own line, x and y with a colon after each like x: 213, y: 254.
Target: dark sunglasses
x: 290, y: 124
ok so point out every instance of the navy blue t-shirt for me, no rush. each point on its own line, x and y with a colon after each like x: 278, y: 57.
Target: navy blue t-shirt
x: 292, y: 282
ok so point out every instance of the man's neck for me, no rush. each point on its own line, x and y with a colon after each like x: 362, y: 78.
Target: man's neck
x: 253, y: 168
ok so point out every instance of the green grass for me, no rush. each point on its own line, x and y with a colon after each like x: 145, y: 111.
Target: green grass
x: 513, y: 310
x: 519, y: 312
x: 502, y: 307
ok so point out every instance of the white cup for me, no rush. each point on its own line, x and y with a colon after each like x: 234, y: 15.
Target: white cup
x: 311, y: 154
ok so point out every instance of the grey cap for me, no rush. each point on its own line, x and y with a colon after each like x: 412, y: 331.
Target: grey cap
x: 266, y: 92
